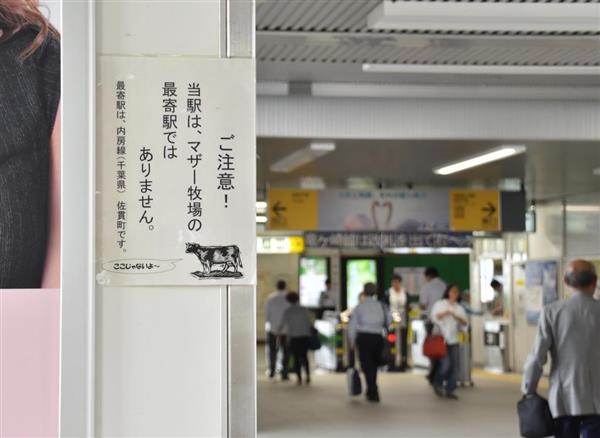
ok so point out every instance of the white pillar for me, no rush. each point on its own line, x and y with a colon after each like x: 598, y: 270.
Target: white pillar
x: 168, y: 360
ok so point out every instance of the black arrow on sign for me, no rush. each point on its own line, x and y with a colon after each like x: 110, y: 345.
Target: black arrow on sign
x: 490, y: 209
x: 278, y: 209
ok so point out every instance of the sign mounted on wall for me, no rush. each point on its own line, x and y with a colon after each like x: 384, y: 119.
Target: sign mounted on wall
x: 541, y: 281
x: 176, y: 153
x: 293, y: 209
x: 475, y: 210
x: 280, y: 244
x: 358, y: 210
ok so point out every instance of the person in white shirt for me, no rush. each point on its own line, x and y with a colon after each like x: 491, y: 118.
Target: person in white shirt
x: 431, y: 292
x: 327, y: 299
x: 447, y: 315
x: 399, y: 306
x: 397, y: 295
x: 275, y: 307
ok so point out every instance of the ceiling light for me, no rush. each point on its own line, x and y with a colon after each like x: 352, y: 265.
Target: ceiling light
x: 261, y: 219
x: 546, y: 70
x: 583, y: 208
x: 312, y: 183
x: 596, y: 171
x: 485, y: 16
x: 261, y: 205
x: 360, y: 183
x: 303, y: 156
x: 487, y: 157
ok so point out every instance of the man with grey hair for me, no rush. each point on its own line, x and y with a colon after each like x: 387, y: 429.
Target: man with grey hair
x: 570, y: 331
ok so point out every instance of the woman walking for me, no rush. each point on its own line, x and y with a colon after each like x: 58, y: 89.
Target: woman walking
x: 447, y: 315
x: 368, y: 321
x: 298, y: 326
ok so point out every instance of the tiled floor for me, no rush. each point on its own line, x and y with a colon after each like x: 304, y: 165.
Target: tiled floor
x: 408, y: 409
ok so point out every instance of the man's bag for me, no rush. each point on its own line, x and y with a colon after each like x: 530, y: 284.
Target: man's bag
x: 314, y: 342
x: 354, y: 383
x: 434, y: 347
x: 535, y: 418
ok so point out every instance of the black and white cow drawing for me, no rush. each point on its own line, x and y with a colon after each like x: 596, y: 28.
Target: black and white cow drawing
x: 227, y: 256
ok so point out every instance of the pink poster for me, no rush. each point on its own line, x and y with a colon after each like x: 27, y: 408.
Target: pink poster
x: 29, y: 362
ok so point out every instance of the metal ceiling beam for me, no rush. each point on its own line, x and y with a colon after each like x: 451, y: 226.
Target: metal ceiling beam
x: 398, y: 91
x: 413, y: 40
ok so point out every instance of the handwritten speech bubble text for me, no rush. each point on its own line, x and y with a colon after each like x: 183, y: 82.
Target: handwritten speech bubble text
x: 140, y: 266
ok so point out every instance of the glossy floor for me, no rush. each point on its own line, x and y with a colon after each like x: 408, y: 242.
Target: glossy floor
x: 408, y: 408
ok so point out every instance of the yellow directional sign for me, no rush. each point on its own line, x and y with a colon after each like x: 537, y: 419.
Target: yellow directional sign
x: 293, y: 209
x: 475, y: 210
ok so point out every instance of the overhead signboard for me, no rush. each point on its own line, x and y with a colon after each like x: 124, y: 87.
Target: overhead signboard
x: 475, y: 210
x: 293, y: 209
x: 383, y: 210
x: 401, y: 211
x: 176, y: 153
x: 386, y: 240
x: 358, y: 210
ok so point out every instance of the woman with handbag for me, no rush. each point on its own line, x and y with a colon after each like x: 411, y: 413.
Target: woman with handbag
x: 447, y: 314
x: 298, y: 327
x: 368, y: 321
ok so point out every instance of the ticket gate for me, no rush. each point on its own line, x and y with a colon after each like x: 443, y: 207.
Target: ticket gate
x: 397, y: 342
x: 495, y: 338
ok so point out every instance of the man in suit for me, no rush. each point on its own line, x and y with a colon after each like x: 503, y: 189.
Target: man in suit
x: 570, y: 331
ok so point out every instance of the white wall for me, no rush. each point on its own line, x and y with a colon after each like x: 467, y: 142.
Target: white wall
x: 546, y: 243
x: 51, y: 8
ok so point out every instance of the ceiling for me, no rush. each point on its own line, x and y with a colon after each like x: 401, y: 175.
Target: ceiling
x: 549, y: 169
x: 329, y: 40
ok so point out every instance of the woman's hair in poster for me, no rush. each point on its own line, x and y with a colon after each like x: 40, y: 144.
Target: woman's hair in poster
x: 16, y: 15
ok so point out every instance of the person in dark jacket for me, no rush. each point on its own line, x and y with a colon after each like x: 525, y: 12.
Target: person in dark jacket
x: 296, y: 323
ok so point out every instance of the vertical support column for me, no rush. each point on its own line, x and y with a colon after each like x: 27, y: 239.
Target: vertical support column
x: 77, y: 295
x: 240, y: 43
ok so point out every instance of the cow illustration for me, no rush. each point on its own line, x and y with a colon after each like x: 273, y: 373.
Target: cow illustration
x: 228, y: 256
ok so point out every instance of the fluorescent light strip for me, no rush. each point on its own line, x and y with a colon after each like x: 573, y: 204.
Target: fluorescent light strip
x: 303, y: 156
x: 486, y: 16
x: 545, y: 70
x: 583, y: 209
x: 261, y: 219
x: 261, y: 205
x: 478, y: 160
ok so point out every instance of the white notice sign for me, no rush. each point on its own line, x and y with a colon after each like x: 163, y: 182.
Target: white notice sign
x: 176, y: 157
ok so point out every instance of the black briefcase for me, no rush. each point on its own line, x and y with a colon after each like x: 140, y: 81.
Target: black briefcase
x: 354, y: 383
x: 535, y: 418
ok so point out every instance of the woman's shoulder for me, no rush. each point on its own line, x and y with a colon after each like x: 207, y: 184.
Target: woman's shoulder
x: 46, y: 56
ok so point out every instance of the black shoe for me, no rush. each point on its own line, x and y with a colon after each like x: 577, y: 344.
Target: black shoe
x: 285, y: 378
x: 373, y: 398
x: 308, y: 380
x: 439, y: 390
x: 298, y: 382
x: 451, y: 396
